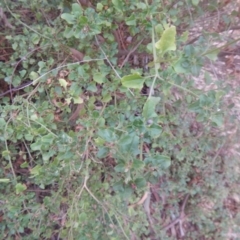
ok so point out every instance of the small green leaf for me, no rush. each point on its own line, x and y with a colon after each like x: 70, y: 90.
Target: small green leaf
x: 6, y: 154
x: 195, y: 2
x: 137, y: 164
x: 24, y: 165
x: 131, y: 21
x: 68, y: 17
x: 20, y: 188
x: 120, y: 167
x: 4, y: 180
x: 76, y: 8
x: 98, y: 77
x: 118, y: 4
x: 154, y: 130
x: 35, y: 38
x: 36, y: 146
x: 63, y: 83
x: 133, y: 81
x: 33, y: 75
x: 140, y: 183
x: 129, y: 143
x: 181, y: 65
x: 107, y: 97
x: 212, y: 55
x: 164, y: 161
x: 102, y: 152
x: 167, y: 41
x: 107, y: 134
x: 99, y: 7
x: 36, y: 170
x: 149, y: 107
x: 22, y: 73
x: 14, y: 46
x: 161, y: 161
x: 78, y: 100
x: 2, y: 123
x: 28, y: 137
x: 218, y: 119
x: 47, y: 139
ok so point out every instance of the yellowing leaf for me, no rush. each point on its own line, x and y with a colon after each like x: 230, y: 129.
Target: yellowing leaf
x: 78, y: 100
x: 63, y: 83
x: 167, y: 41
x: 4, y: 180
x: 195, y: 2
x: 133, y: 81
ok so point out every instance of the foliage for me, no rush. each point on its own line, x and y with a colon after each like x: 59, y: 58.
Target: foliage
x: 100, y: 148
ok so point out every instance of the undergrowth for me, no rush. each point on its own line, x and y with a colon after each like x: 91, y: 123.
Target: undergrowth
x: 104, y: 134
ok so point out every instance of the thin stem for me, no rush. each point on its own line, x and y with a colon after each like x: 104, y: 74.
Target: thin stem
x: 8, y: 157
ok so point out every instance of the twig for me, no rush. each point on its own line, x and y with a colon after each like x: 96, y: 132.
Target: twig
x: 181, y: 216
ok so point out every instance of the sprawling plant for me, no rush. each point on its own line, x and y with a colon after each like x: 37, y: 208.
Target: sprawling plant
x: 105, y: 132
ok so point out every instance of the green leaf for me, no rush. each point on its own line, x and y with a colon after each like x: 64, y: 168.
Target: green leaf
x: 181, y: 65
x: 63, y: 83
x: 149, y: 107
x: 131, y: 21
x: 99, y: 7
x: 137, y: 164
x: 24, y: 165
x: 2, y: 123
x: 126, y: 194
x: 102, y: 152
x: 20, y: 188
x: 4, y: 180
x: 77, y: 100
x: 36, y: 170
x: 107, y: 97
x: 22, y: 73
x: 167, y: 41
x: 118, y: 186
x: 76, y: 8
x: 118, y: 4
x: 212, y: 55
x: 133, y: 81
x: 121, y: 167
x: 35, y: 38
x: 48, y: 139
x: 129, y: 143
x: 140, y: 183
x: 98, y: 77
x: 161, y: 161
x: 154, y: 130
x: 6, y: 154
x: 195, y: 2
x: 218, y: 119
x: 68, y: 17
x: 107, y: 134
x: 69, y: 32
x: 33, y: 75
x: 164, y: 161
x: 36, y: 146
